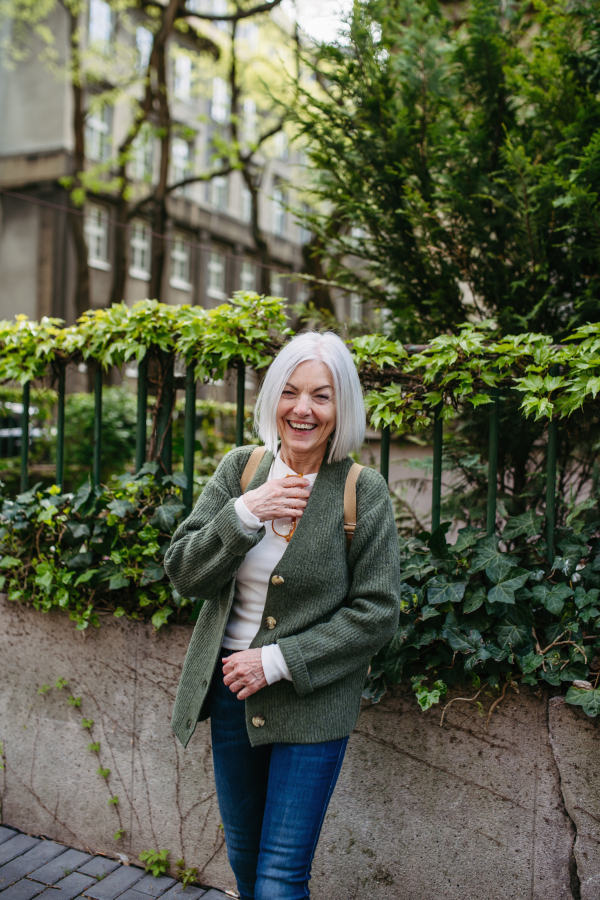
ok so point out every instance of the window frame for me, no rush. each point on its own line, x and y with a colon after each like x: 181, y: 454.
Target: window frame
x: 96, y: 235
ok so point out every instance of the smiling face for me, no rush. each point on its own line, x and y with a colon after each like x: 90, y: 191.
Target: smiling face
x: 306, y: 415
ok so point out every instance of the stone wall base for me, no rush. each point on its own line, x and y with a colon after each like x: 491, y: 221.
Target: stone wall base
x: 421, y: 812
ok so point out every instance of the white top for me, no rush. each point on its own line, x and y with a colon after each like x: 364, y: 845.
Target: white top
x: 252, y: 581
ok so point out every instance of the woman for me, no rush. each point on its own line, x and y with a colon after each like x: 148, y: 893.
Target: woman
x: 281, y: 649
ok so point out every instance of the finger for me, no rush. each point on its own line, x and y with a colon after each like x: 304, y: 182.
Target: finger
x: 294, y: 482
x: 235, y: 687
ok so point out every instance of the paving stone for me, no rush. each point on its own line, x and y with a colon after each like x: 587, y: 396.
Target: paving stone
x: 116, y: 883
x: 22, y: 890
x: 155, y: 885
x: 133, y: 894
x: 16, y: 847
x: 29, y: 862
x: 60, y: 867
x: 74, y: 884
x: 99, y: 865
x: 49, y: 894
x: 214, y: 894
x: 177, y: 893
x: 6, y: 834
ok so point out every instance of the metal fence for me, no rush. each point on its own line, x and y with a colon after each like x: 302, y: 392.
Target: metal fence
x: 164, y: 441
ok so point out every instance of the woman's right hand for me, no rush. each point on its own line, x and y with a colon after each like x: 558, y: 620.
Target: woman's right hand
x: 278, y: 499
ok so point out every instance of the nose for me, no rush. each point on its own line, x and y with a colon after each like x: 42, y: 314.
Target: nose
x: 302, y: 406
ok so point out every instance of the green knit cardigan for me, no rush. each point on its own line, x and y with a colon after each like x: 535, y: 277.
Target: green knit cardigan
x: 333, y: 609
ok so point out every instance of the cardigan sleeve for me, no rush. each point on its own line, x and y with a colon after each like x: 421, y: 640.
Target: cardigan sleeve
x: 208, y: 548
x: 332, y: 649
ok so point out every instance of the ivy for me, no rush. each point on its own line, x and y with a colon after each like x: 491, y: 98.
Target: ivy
x: 99, y: 550
x: 491, y: 609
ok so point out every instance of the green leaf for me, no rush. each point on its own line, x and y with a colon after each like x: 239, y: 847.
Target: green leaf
x: 117, y: 582
x: 9, y: 562
x: 442, y: 590
x: 486, y: 550
x: 504, y: 592
x: 498, y: 569
x: 475, y: 600
x: 513, y: 635
x: 80, y: 560
x: 121, y: 508
x: 164, y: 518
x: 160, y: 617
x: 85, y: 577
x: 151, y: 573
x: 554, y: 599
x: 588, y: 700
x: 457, y: 640
x: 528, y: 524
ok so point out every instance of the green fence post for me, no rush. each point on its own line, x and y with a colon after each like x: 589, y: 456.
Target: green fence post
x: 60, y: 429
x: 551, y: 487
x: 189, y: 437
x: 25, y: 436
x: 436, y: 487
x: 164, y: 426
x: 97, y: 424
x: 142, y: 405
x: 493, y: 462
x: 384, y: 460
x: 239, y: 413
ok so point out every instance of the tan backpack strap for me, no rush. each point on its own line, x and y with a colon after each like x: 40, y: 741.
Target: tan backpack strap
x: 350, y: 502
x: 251, y: 467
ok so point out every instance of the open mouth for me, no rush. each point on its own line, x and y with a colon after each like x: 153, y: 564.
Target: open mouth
x: 302, y: 427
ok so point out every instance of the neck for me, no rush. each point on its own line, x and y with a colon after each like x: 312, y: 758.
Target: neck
x: 308, y: 463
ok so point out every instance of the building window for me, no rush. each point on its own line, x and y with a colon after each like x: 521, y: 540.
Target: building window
x: 281, y: 146
x: 140, y: 252
x: 218, y: 193
x: 97, y: 134
x: 216, y: 275
x: 279, y: 212
x: 144, y: 40
x: 246, y: 204
x: 356, y: 308
x: 180, y: 265
x: 181, y: 162
x: 96, y: 233
x: 100, y: 23
x: 182, y: 87
x: 142, y: 155
x: 277, y: 284
x: 220, y: 101
x: 305, y: 233
x: 249, y: 121
x: 248, y: 276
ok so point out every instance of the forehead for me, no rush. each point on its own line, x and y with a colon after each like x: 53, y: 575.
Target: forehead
x: 313, y: 373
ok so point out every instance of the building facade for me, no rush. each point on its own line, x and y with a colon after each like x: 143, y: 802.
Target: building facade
x: 210, y: 251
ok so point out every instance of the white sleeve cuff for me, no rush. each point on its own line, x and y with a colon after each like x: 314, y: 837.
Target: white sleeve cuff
x: 274, y: 664
x: 250, y: 523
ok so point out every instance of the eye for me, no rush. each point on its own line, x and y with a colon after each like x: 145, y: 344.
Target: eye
x: 323, y: 397
x: 287, y: 393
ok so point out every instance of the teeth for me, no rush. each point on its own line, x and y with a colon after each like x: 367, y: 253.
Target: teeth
x: 299, y: 427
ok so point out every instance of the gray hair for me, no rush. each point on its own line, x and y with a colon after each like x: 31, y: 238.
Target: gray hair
x: 330, y: 349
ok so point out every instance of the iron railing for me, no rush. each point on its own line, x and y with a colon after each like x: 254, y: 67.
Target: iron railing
x: 164, y: 441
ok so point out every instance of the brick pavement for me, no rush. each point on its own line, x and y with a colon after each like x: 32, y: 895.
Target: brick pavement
x: 33, y: 867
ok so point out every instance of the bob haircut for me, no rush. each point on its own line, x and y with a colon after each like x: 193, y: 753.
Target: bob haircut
x: 350, y: 418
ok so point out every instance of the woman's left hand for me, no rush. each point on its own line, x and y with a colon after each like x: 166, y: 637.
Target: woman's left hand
x: 244, y: 673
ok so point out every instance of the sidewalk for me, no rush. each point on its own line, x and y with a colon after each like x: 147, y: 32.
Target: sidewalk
x: 33, y: 867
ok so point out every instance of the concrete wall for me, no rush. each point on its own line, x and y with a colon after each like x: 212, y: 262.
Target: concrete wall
x: 421, y: 812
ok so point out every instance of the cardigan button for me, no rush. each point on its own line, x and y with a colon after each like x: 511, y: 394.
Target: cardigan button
x: 188, y: 724
x: 276, y: 579
x: 270, y: 622
x: 258, y: 721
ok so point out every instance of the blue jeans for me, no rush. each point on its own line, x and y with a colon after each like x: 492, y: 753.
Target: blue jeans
x: 272, y: 800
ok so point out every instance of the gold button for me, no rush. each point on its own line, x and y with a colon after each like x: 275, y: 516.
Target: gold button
x: 276, y: 579
x: 258, y: 721
x: 270, y: 622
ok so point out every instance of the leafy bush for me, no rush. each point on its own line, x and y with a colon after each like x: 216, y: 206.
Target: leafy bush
x: 118, y: 430
x: 97, y: 550
x: 491, y: 608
